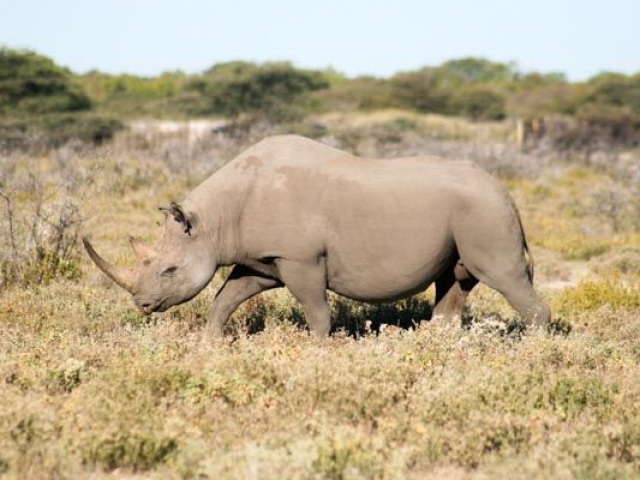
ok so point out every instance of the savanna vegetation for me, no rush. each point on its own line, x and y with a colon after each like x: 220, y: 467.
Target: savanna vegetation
x: 89, y: 388
x: 43, y: 101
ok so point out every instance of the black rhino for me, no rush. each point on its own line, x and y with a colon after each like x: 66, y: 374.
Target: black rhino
x: 293, y: 212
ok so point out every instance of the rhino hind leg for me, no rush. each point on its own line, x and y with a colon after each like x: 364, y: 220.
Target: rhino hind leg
x: 494, y: 252
x: 452, y: 289
x: 242, y: 284
x: 525, y: 300
x: 307, y: 281
x: 516, y: 286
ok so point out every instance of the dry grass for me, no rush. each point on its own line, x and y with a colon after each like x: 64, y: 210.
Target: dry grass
x: 91, y: 389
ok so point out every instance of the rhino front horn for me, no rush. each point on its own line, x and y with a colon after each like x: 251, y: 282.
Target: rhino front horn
x: 121, y: 275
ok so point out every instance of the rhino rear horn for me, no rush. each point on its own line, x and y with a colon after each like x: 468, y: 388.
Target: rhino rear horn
x: 121, y: 275
x: 142, y: 250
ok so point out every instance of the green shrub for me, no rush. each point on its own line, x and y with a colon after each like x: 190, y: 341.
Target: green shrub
x: 45, y: 132
x: 276, y: 91
x: 616, y: 90
x: 569, y: 397
x: 623, y: 443
x: 479, y: 70
x: 166, y: 382
x: 466, y: 87
x: 591, y: 294
x: 599, y: 114
x: 479, y: 104
x: 31, y: 83
x: 609, y: 124
x: 422, y: 91
x: 105, y: 88
x: 131, y: 450
x: 361, y: 93
x: 66, y: 377
x: 347, y: 454
x: 620, y: 261
x: 575, y: 247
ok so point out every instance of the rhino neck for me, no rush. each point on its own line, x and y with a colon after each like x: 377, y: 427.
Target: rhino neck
x: 217, y: 215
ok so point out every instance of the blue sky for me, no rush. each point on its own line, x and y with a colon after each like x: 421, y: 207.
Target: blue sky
x: 377, y: 37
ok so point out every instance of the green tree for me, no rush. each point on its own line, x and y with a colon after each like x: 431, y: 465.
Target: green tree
x: 479, y: 70
x: 32, y: 83
x: 426, y: 91
x: 615, y: 89
x: 535, y: 80
x: 274, y: 90
x: 479, y: 104
x: 472, y: 87
x: 546, y: 99
x: 360, y: 93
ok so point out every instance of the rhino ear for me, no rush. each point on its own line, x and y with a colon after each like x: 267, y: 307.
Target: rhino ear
x: 179, y: 215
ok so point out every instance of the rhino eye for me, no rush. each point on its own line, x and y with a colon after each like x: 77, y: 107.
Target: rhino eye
x: 169, y: 272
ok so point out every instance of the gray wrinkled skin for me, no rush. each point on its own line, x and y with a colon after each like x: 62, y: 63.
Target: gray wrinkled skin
x: 293, y: 212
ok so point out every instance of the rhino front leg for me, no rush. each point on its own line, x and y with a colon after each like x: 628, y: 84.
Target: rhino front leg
x: 307, y: 281
x: 242, y: 284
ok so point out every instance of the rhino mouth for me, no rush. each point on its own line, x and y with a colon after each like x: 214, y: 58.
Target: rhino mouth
x: 149, y: 307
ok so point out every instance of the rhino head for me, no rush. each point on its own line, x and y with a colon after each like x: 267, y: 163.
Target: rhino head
x: 170, y: 273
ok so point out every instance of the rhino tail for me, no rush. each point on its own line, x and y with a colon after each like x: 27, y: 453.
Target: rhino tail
x: 528, y: 258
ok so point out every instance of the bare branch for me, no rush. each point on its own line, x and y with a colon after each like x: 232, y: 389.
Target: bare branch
x: 12, y: 239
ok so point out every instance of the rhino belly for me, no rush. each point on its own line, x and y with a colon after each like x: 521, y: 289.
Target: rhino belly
x: 386, y: 275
